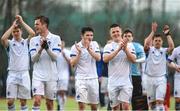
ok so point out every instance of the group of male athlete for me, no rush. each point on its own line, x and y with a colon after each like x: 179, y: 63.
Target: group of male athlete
x: 125, y: 61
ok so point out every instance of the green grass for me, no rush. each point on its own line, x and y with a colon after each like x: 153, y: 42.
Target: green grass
x: 71, y: 104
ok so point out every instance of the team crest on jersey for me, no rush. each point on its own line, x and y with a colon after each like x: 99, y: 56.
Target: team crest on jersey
x: 49, y: 42
x: 37, y: 44
x: 112, y: 49
x: 54, y: 95
x: 176, y: 92
x: 34, y: 90
x: 14, y: 44
x: 22, y: 43
x: 78, y: 97
x: 8, y: 93
x: 111, y: 102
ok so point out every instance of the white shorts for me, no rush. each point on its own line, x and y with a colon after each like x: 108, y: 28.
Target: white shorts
x: 120, y: 94
x: 156, y: 88
x: 177, y: 86
x: 144, y: 83
x: 62, y: 84
x: 44, y: 88
x: 104, y: 85
x: 87, y: 91
x: 18, y: 85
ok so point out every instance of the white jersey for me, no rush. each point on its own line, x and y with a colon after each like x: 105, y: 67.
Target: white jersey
x: 86, y: 66
x: 119, y: 66
x: 63, y: 65
x: 18, y: 55
x: 45, y: 69
x: 176, y: 56
x: 156, y: 62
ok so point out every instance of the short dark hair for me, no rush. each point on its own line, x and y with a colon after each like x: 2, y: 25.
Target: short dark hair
x: 85, y: 29
x: 43, y: 19
x: 157, y: 35
x: 114, y: 25
x: 127, y: 31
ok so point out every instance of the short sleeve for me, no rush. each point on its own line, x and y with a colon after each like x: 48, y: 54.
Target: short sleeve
x: 139, y: 51
x: 32, y: 47
x: 57, y: 44
x: 131, y: 48
x: 107, y: 49
x: 73, y: 51
x: 67, y: 53
x: 96, y: 47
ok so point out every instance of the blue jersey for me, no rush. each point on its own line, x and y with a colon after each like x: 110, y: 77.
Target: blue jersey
x: 136, y: 67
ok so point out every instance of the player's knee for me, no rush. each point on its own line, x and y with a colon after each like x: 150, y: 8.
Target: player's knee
x: 125, y: 106
x: 23, y: 102
x: 37, y: 101
x: 158, y: 102
x: 177, y: 106
x: 93, y: 107
x: 177, y: 100
x: 49, y: 103
x: 10, y: 102
x: 81, y: 106
x: 152, y: 105
x: 115, y: 108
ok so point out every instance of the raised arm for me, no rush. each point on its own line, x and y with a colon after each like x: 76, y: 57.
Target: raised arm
x: 6, y: 35
x: 27, y: 27
x: 166, y: 31
x: 148, y: 40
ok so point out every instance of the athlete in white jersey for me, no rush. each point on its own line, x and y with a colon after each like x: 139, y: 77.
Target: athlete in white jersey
x: 63, y: 66
x: 119, y: 54
x: 138, y: 101
x: 18, y: 81
x: 174, y: 62
x: 44, y: 49
x: 83, y: 58
x: 155, y: 68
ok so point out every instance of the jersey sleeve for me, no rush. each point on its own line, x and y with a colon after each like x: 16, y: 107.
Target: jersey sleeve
x: 131, y: 48
x: 139, y: 51
x: 57, y: 45
x: 32, y: 47
x: 107, y: 49
x: 73, y: 51
x: 67, y: 53
x: 96, y: 47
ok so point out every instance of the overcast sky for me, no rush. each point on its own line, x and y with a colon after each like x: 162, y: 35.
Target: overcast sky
x: 91, y: 5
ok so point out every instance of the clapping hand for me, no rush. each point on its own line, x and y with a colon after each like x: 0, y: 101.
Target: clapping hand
x: 77, y: 47
x: 44, y: 45
x: 166, y: 30
x: 154, y: 26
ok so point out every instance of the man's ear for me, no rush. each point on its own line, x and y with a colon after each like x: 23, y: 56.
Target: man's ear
x: 82, y: 36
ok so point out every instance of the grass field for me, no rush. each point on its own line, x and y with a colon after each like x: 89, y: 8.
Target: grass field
x: 70, y: 105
